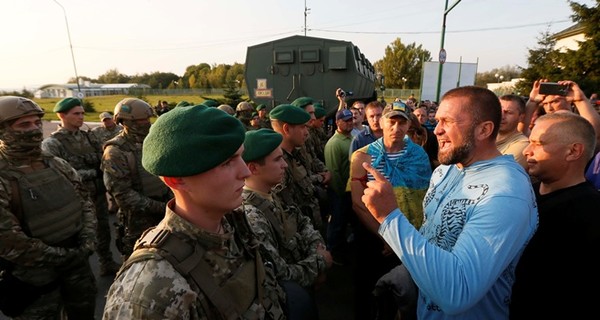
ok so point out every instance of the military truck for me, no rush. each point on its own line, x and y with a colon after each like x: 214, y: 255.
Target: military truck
x: 280, y: 71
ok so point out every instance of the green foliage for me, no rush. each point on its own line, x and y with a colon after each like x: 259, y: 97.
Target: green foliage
x: 232, y: 94
x: 507, y: 72
x: 402, y: 61
x: 23, y: 93
x: 88, y: 106
x: 581, y: 66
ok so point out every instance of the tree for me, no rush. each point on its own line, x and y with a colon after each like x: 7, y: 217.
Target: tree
x: 583, y: 65
x: 507, y: 72
x: 113, y: 76
x: 402, y: 61
x: 543, y: 62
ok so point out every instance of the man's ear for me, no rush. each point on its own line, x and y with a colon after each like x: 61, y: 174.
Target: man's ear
x: 484, y: 130
x: 176, y: 183
x: 253, y: 167
x: 575, y: 151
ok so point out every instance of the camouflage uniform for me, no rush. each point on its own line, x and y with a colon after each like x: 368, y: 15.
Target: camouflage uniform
x: 47, y: 229
x: 318, y: 139
x: 104, y: 134
x: 298, y: 188
x: 140, y: 196
x: 82, y: 150
x: 151, y: 288
x: 287, y: 237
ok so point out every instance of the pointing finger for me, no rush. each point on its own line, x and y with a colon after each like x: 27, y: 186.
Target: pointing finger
x: 378, y: 176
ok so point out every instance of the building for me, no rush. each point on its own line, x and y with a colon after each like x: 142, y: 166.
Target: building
x: 569, y: 38
x: 87, y: 88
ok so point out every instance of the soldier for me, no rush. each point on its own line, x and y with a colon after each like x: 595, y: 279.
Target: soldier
x: 287, y: 236
x: 263, y: 116
x: 298, y: 188
x: 243, y: 112
x: 83, y: 151
x: 222, y: 275
x: 140, y: 196
x: 108, y: 129
x: 47, y: 224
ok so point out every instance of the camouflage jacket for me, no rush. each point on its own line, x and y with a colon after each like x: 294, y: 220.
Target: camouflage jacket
x: 104, y: 134
x: 122, y: 168
x: 153, y: 289
x: 287, y: 238
x: 35, y: 261
x: 298, y: 188
x: 82, y: 151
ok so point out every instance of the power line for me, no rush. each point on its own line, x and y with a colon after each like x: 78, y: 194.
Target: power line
x: 435, y: 32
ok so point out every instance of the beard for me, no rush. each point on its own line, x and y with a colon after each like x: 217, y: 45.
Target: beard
x: 459, y: 153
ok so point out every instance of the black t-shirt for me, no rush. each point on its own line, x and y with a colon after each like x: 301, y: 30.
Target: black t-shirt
x: 556, y: 275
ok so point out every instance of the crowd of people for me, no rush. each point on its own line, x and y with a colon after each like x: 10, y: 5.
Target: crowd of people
x: 445, y: 211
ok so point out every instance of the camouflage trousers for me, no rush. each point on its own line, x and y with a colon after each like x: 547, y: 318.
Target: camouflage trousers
x: 74, y: 299
x: 103, y: 235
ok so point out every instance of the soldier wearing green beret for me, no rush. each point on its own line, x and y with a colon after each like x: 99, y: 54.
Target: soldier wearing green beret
x: 254, y: 122
x: 317, y: 131
x: 287, y: 236
x: 47, y: 224
x: 263, y: 116
x: 225, y: 277
x: 82, y: 150
x: 291, y: 122
x: 141, y: 197
x: 312, y: 152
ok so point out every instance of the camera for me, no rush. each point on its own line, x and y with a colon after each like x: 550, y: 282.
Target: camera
x: 343, y: 93
x: 553, y: 88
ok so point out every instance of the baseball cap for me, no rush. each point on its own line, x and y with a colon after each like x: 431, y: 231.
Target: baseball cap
x: 343, y: 114
x: 105, y: 115
x: 398, y: 108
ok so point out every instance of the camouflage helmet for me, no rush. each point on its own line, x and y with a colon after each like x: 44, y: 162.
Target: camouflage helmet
x: 227, y: 108
x: 132, y: 109
x: 244, y: 106
x: 12, y: 107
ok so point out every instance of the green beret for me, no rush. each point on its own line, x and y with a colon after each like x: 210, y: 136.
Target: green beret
x: 289, y: 114
x: 66, y: 104
x: 184, y: 103
x: 188, y: 141
x: 210, y: 103
x: 319, y: 112
x: 302, y: 102
x: 260, y: 107
x: 260, y: 143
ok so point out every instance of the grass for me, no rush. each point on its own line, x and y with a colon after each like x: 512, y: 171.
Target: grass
x: 108, y: 103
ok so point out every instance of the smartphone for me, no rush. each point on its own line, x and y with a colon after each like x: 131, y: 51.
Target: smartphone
x: 553, y: 88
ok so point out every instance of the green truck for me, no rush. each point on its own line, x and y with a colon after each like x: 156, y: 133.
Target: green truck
x: 282, y: 70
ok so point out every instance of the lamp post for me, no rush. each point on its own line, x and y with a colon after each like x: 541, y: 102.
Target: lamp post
x: 71, y: 47
x: 403, y: 82
x: 381, y: 79
x: 442, y: 50
x: 499, y: 77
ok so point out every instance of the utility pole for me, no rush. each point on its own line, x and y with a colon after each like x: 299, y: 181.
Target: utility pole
x: 70, y: 46
x: 306, y: 10
x: 442, y: 50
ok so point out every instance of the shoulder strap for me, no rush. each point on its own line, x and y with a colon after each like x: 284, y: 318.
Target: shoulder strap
x: 263, y: 206
x: 187, y: 260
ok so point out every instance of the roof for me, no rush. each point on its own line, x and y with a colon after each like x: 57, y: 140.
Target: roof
x: 569, y: 32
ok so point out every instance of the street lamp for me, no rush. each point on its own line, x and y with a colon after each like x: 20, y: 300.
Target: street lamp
x: 381, y: 80
x: 499, y: 77
x: 71, y: 46
x: 403, y: 82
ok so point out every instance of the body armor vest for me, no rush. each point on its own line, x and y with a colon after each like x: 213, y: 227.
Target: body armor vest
x: 146, y: 183
x: 82, y: 154
x: 51, y: 207
x: 285, y: 228
x: 231, y: 298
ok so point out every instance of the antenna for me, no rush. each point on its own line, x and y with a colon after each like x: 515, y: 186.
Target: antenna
x: 306, y: 10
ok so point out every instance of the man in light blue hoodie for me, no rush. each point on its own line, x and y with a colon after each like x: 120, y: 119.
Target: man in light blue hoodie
x: 480, y: 212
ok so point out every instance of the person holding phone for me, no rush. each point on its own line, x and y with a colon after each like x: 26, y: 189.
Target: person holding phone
x: 561, y: 95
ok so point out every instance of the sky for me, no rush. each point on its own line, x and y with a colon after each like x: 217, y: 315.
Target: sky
x: 145, y: 36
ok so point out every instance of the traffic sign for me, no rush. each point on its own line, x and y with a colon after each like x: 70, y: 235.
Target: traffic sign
x: 442, y: 57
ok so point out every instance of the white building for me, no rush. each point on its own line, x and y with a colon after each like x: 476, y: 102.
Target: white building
x: 86, y: 89
x: 569, y: 38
